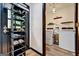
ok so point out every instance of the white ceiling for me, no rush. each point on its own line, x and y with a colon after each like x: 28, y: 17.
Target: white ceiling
x: 59, y: 5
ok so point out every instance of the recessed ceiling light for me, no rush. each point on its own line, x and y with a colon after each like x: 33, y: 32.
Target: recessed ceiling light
x: 54, y: 10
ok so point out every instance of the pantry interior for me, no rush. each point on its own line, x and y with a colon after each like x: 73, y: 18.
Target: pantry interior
x: 14, y: 29
x: 20, y: 28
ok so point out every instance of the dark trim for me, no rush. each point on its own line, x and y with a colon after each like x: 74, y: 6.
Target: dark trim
x: 67, y: 27
x: 43, y: 30
x: 49, y: 28
x: 76, y: 21
x: 36, y: 51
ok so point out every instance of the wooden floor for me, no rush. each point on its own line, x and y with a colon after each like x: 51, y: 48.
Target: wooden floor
x: 31, y: 53
x: 53, y: 50
x: 57, y: 51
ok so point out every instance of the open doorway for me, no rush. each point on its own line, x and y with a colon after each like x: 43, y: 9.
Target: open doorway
x: 59, y: 29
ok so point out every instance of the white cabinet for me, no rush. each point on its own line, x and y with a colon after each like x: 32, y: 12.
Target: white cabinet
x: 49, y: 37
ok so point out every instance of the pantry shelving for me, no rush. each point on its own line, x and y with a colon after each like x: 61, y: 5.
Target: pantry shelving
x: 18, y: 35
x: 14, y: 29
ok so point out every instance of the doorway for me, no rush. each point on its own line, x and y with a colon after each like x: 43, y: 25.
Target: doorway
x: 66, y: 30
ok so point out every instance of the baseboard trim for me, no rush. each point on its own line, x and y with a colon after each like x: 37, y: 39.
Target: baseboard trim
x: 36, y: 51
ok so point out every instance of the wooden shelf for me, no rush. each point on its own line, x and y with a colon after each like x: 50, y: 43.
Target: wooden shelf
x: 51, y: 24
x: 57, y: 17
x: 67, y: 22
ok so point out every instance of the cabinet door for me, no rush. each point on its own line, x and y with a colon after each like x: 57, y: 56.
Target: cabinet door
x: 5, y: 34
x: 0, y: 28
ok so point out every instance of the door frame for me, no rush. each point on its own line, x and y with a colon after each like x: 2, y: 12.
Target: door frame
x: 76, y: 28
x: 44, y: 29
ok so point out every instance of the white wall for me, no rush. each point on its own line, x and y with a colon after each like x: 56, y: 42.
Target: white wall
x: 36, y: 26
x: 67, y: 40
x: 67, y: 37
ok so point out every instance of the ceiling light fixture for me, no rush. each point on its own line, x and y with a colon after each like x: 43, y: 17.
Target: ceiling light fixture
x: 54, y: 8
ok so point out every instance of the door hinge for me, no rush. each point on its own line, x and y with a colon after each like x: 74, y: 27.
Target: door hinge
x: 77, y: 24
